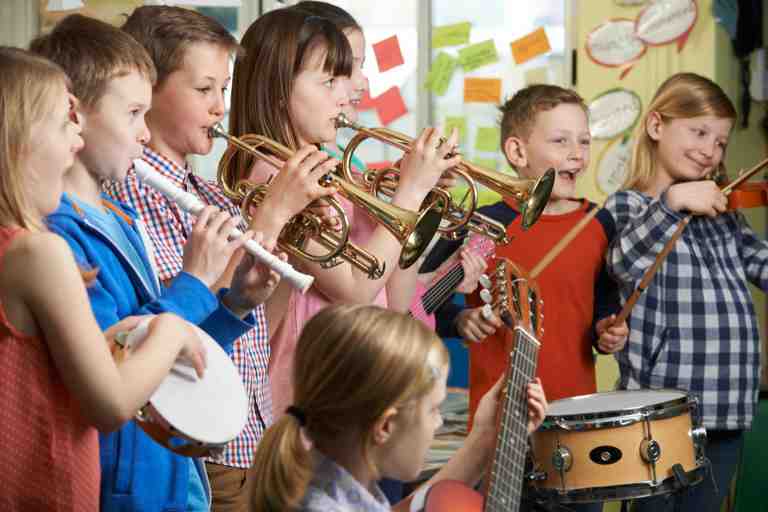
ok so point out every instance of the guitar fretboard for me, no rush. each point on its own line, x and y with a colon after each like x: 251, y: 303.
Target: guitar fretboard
x: 443, y: 289
x: 505, y: 483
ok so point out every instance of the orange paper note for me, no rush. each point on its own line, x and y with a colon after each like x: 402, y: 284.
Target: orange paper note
x: 534, y: 44
x: 388, y: 53
x: 482, y: 90
x: 390, y: 106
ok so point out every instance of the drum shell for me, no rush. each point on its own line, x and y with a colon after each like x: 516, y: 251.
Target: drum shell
x: 619, y: 437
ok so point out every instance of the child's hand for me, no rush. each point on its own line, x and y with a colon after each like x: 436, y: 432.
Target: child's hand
x: 537, y: 405
x: 472, y: 326
x: 298, y: 183
x: 253, y: 282
x: 208, y: 248
x: 473, y: 266
x: 426, y: 162
x: 697, y: 197
x: 485, y: 416
x: 171, y: 327
x: 612, y: 338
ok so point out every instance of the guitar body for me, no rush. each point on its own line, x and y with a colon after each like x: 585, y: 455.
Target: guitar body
x: 453, y: 496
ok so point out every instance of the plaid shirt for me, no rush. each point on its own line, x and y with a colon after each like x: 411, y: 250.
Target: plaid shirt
x: 694, y: 328
x: 168, y: 227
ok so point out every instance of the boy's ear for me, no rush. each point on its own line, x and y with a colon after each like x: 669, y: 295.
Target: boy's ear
x: 385, y: 426
x: 514, y: 150
x: 654, y: 125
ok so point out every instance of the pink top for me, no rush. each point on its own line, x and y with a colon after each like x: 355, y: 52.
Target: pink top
x: 50, y: 455
x: 303, y: 307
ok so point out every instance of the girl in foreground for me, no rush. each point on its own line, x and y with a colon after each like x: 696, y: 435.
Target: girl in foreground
x: 368, y: 387
x: 59, y: 378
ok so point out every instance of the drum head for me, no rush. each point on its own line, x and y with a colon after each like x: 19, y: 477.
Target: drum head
x: 212, y: 409
x: 614, y: 401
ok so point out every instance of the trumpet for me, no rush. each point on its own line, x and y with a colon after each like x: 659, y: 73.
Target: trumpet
x: 413, y: 230
x: 531, y: 195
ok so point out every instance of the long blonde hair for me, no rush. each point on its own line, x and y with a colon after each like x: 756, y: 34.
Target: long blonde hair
x: 28, y: 85
x: 352, y: 363
x: 681, y: 96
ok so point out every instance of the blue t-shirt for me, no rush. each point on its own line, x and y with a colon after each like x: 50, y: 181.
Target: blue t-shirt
x: 196, y: 500
x: 108, y: 223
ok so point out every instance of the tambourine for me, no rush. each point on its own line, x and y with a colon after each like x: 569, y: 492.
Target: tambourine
x: 188, y: 415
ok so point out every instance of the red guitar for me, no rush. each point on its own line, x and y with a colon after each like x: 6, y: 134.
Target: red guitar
x: 516, y: 300
x: 428, y: 300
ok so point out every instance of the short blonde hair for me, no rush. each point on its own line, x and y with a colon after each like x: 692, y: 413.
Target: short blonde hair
x: 352, y: 363
x: 681, y: 96
x: 28, y: 88
x: 93, y: 53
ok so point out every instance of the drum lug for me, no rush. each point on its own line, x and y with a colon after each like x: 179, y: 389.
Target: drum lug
x: 699, y: 438
x: 650, y: 450
x: 562, y: 460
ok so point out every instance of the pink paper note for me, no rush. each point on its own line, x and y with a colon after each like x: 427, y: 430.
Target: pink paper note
x: 388, y: 53
x: 390, y: 105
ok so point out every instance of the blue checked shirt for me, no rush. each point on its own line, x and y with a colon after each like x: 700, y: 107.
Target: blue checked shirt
x: 168, y: 227
x: 694, y: 328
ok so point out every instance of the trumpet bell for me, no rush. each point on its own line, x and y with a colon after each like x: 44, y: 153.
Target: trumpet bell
x: 533, y: 206
x: 417, y: 241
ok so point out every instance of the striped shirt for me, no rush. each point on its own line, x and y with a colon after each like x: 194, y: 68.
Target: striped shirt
x: 694, y: 328
x: 169, y: 227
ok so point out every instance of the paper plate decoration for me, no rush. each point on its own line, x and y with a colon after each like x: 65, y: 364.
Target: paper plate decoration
x: 613, y: 112
x: 613, y: 165
x: 614, y: 43
x: 665, y: 21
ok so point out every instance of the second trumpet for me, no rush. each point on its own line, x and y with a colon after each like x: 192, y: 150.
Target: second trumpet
x: 531, y: 195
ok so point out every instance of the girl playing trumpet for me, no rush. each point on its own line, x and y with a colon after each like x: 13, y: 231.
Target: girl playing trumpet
x: 307, y: 59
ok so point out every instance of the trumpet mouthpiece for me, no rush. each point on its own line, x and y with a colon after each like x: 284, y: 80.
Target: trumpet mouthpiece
x: 342, y: 121
x: 215, y: 130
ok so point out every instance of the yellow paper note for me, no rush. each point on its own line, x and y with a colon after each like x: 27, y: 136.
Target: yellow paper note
x: 450, y: 35
x: 534, y: 44
x: 478, y: 55
x: 460, y: 123
x: 487, y: 138
x: 482, y: 90
x: 440, y: 74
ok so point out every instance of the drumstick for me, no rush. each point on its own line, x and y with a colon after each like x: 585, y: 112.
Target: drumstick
x: 646, y: 280
x: 191, y: 204
x: 563, y: 243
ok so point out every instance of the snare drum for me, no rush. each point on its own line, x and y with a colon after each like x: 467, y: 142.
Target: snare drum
x: 617, y: 445
x: 189, y: 415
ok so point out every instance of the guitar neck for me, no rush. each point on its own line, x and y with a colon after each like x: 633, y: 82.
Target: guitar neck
x: 506, y: 473
x: 442, y: 289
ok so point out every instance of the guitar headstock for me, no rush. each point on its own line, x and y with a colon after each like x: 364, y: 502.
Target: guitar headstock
x: 514, y: 297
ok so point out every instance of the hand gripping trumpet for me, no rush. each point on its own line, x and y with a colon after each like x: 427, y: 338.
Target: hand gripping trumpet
x: 531, y: 195
x: 190, y: 203
x: 413, y: 230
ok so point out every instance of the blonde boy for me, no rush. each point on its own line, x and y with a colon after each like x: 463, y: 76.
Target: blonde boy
x: 192, y: 53
x: 542, y: 127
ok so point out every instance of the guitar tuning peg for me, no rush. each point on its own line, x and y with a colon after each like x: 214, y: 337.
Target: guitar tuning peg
x: 486, y: 296
x: 485, y: 281
x: 487, y: 312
